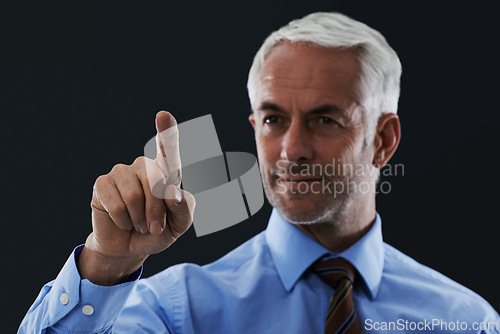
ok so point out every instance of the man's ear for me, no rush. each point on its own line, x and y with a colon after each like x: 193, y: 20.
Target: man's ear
x: 387, y: 136
x: 251, y: 118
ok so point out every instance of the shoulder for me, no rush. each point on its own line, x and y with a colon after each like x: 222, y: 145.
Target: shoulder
x: 429, y: 288
x: 400, y: 264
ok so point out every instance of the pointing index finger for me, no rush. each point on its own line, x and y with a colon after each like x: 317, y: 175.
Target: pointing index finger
x: 167, y: 147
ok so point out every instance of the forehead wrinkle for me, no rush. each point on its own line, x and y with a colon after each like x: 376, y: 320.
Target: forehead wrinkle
x: 305, y: 77
x: 315, y: 88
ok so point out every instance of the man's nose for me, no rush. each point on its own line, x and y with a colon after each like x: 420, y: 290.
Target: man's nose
x: 296, y: 143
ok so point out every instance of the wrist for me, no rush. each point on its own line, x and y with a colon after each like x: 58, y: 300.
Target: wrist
x: 104, y: 270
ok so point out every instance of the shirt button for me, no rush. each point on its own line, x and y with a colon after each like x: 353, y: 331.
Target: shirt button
x: 64, y: 298
x: 87, y: 310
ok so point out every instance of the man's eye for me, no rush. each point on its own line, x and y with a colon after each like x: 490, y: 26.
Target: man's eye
x: 271, y: 119
x: 326, y: 120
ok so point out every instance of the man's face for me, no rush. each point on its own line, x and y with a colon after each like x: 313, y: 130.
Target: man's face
x: 308, y: 126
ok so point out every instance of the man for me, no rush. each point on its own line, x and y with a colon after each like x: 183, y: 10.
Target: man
x: 324, y: 92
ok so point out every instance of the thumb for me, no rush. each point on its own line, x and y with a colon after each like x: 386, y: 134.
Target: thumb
x: 180, y: 205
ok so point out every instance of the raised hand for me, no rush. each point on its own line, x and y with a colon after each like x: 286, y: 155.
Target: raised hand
x: 137, y: 210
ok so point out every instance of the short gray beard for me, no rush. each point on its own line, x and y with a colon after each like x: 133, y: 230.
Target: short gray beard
x: 334, y: 215
x: 330, y: 217
x: 334, y: 218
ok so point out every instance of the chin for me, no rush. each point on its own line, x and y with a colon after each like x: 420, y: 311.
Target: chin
x: 308, y: 208
x: 300, y: 210
x: 297, y: 216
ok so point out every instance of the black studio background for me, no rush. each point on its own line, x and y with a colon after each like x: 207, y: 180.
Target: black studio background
x: 81, y: 84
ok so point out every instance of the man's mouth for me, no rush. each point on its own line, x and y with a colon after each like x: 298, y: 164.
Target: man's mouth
x: 302, y: 184
x: 297, y: 179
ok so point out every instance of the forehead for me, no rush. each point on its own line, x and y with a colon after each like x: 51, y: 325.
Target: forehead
x: 309, y: 74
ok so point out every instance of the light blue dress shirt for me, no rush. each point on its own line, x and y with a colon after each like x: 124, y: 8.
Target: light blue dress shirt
x: 264, y: 286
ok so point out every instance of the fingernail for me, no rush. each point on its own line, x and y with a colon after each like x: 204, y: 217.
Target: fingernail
x: 178, y: 195
x: 143, y: 229
x: 156, y: 227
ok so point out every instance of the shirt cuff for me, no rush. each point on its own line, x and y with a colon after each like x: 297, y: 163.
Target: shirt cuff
x: 80, y: 305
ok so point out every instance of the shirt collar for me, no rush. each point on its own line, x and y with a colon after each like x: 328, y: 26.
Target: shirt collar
x: 293, y: 252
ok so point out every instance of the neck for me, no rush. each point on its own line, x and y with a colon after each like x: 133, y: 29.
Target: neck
x: 344, y: 229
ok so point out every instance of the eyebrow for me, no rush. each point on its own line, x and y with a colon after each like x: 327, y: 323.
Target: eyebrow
x: 270, y: 106
x: 328, y: 108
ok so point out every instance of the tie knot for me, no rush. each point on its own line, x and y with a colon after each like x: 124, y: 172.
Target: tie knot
x: 333, y: 271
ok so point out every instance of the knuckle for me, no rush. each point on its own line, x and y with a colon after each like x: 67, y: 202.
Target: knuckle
x: 117, y: 208
x: 133, y: 196
x: 100, y: 182
x: 140, y: 160
x: 119, y: 168
x: 141, y: 165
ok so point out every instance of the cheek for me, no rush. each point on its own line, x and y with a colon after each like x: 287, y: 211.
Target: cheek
x: 349, y: 144
x: 336, y: 147
x: 342, y: 149
x: 355, y: 154
x: 268, y: 151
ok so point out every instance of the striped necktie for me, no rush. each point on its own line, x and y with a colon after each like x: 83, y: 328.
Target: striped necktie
x: 341, y: 316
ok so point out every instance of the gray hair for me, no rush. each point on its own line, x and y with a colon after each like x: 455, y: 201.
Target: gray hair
x: 379, y: 85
